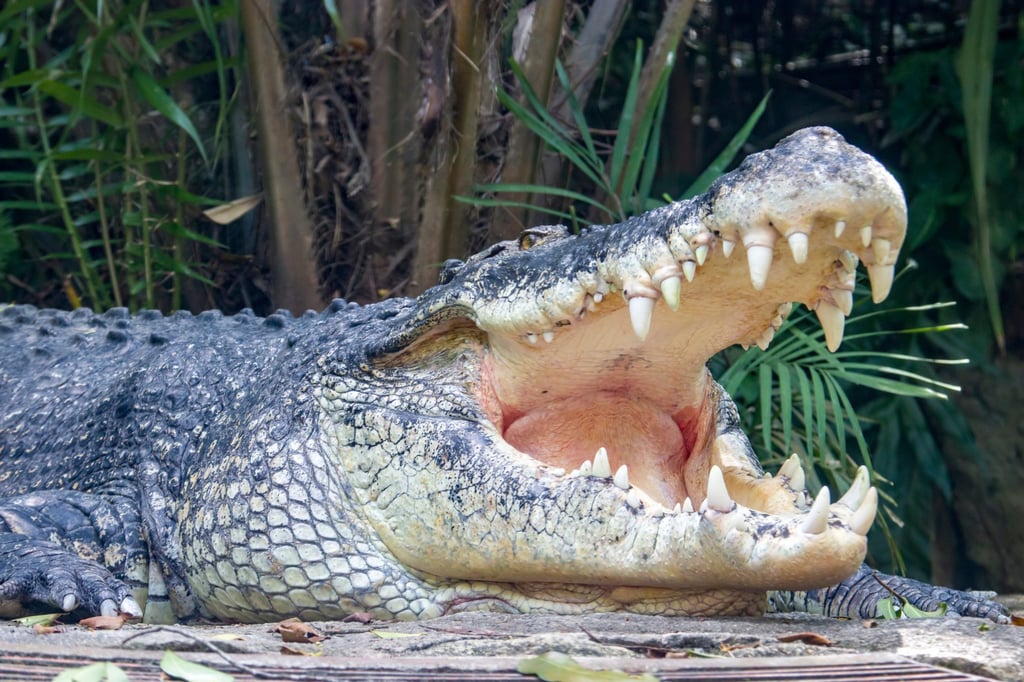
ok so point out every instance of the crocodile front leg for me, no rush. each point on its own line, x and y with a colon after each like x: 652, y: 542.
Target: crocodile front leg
x: 859, y: 595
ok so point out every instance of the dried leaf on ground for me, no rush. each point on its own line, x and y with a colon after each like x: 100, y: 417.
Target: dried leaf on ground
x: 41, y: 629
x: 289, y: 651
x: 103, y: 622
x: 362, y: 617
x: 294, y: 630
x: 388, y: 634
x: 40, y: 619
x: 812, y: 638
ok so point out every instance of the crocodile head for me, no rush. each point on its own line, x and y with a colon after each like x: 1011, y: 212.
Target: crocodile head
x: 585, y: 453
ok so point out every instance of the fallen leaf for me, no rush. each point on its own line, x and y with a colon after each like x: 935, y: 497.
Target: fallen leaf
x: 555, y: 666
x: 812, y: 638
x: 180, y: 669
x: 41, y: 619
x: 289, y: 651
x: 1016, y: 620
x: 387, y: 634
x: 362, y: 617
x: 233, y: 210
x: 294, y: 630
x: 94, y: 672
x: 41, y: 629
x: 103, y: 622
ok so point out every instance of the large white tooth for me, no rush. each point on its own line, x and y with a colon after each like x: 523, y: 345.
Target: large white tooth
x: 598, y: 297
x: 798, y: 245
x: 687, y: 506
x: 833, y: 322
x: 862, y: 519
x: 881, y: 277
x: 632, y: 499
x: 840, y: 226
x: 858, y: 489
x: 718, y: 497
x: 671, y: 289
x: 690, y: 268
x: 816, y: 520
x: 882, y: 248
x: 548, y: 336
x: 621, y: 479
x: 865, y: 235
x: 759, y: 259
x: 601, y: 468
x: 765, y: 339
x: 849, y: 260
x: 532, y: 339
x: 727, y: 246
x: 790, y: 466
x: 701, y: 253
x: 641, y: 309
x: 843, y: 299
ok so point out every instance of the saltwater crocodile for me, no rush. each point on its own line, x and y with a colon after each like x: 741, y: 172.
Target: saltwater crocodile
x: 538, y: 432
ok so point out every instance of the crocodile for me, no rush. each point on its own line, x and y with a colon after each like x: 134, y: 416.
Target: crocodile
x: 538, y: 432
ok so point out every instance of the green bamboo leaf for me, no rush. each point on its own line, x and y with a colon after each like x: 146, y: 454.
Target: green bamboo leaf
x: 162, y: 102
x: 622, y: 141
x: 807, y: 403
x: 177, y: 667
x: 577, y: 112
x: 785, y: 405
x: 541, y: 189
x: 651, y: 158
x: 497, y: 203
x: 722, y: 161
x: 646, y: 132
x: 820, y: 411
x: 81, y: 103
x: 15, y: 7
x: 764, y: 375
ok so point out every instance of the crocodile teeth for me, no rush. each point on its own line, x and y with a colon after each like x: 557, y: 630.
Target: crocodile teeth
x: 687, y: 506
x: 798, y: 245
x: 641, y: 309
x: 671, y: 289
x: 690, y: 268
x: 849, y: 260
x: 865, y: 235
x: 701, y: 253
x: 862, y: 519
x: 718, y: 497
x: 793, y: 472
x: 881, y: 281
x: 598, y: 297
x: 548, y: 336
x: 765, y: 339
x: 621, y: 478
x: 632, y: 499
x: 840, y: 226
x: 727, y: 246
x: 601, y: 467
x: 858, y: 489
x: 586, y: 468
x: 833, y: 322
x: 759, y: 259
x: 817, y: 518
x: 882, y: 248
x: 843, y: 299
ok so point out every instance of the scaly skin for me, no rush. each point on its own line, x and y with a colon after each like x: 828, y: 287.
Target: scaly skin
x: 536, y: 433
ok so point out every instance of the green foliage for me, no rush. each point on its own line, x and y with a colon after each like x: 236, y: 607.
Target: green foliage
x: 93, y: 185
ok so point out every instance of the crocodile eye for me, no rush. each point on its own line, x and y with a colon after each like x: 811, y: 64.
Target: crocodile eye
x: 448, y: 270
x: 536, y: 236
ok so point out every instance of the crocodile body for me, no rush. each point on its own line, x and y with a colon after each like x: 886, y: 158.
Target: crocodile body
x: 538, y: 432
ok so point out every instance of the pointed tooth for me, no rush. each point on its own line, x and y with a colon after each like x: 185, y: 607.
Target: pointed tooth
x: 849, y: 260
x: 641, y: 309
x: 717, y: 496
x: 585, y: 468
x: 701, y: 253
x: 832, y: 322
x: 798, y: 245
x: 601, y: 468
x: 790, y: 466
x: 548, y: 336
x: 840, y: 226
x: 632, y: 499
x: 727, y: 246
x: 843, y: 299
x: 862, y: 519
x: 677, y: 509
x: 798, y: 481
x: 881, y: 281
x: 598, y: 297
x: 865, y: 235
x: 765, y: 339
x: 759, y: 259
x: 671, y: 288
x: 621, y: 479
x: 882, y: 248
x: 690, y: 268
x: 657, y: 510
x: 687, y: 506
x: 816, y: 520
x: 858, y: 489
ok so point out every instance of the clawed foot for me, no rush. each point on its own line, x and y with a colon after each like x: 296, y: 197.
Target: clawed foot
x: 34, y: 570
